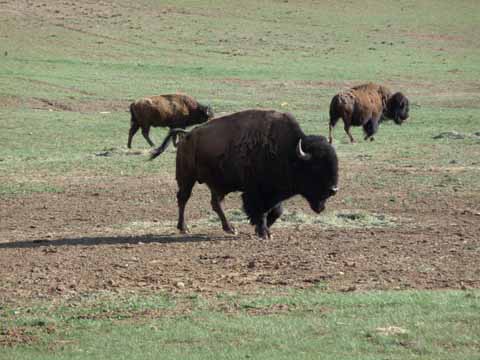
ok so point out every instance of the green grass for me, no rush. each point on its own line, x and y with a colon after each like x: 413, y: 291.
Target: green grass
x: 301, y: 325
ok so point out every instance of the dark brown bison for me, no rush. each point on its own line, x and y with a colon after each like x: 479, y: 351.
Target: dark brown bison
x: 367, y: 105
x: 263, y: 154
x: 173, y: 111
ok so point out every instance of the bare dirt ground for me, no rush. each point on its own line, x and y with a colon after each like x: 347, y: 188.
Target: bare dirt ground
x: 71, y: 243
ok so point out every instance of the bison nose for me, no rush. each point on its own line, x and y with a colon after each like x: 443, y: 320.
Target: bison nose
x: 333, y: 190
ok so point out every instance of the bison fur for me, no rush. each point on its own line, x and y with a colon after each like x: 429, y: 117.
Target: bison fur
x: 262, y: 153
x: 173, y: 111
x: 367, y: 105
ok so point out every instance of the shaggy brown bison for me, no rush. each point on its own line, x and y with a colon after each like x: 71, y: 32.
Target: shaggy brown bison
x: 367, y: 105
x: 173, y: 111
x: 263, y: 154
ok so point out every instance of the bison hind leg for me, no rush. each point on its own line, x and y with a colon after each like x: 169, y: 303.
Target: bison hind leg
x: 183, y: 194
x: 133, y: 130
x: 217, y: 199
x: 331, y: 125
x: 146, y: 133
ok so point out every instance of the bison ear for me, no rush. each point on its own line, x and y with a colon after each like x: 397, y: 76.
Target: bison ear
x: 301, y: 154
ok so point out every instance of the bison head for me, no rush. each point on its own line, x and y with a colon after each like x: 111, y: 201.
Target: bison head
x: 397, y: 108
x: 317, y: 171
x: 206, y: 111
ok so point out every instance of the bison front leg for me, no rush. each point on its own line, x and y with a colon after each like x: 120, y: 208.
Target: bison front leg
x: 255, y: 210
x: 370, y: 128
x: 217, y: 207
x: 261, y: 228
x: 274, y: 214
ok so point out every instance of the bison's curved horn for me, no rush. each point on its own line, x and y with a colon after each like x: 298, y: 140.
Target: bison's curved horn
x: 302, y: 155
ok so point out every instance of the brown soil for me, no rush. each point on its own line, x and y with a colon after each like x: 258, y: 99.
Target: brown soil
x: 87, y: 239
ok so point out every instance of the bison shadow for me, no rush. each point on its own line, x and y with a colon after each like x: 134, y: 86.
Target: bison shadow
x: 116, y: 240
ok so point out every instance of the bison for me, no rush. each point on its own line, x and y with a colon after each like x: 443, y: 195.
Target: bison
x: 367, y: 105
x: 173, y: 111
x: 262, y: 153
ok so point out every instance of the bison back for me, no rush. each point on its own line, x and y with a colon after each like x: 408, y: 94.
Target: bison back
x: 237, y: 151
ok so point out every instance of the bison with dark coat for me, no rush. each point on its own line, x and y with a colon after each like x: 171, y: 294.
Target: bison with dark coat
x: 367, y: 105
x: 173, y: 111
x: 263, y: 154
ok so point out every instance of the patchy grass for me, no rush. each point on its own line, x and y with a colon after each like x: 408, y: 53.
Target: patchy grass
x: 301, y: 324
x: 24, y: 188
x: 337, y: 219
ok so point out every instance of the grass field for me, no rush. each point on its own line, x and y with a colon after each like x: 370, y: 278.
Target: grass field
x: 75, y: 202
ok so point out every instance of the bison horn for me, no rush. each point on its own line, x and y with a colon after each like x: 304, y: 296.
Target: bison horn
x: 302, y: 155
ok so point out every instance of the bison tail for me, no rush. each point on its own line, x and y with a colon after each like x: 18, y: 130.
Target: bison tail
x: 172, y: 134
x: 334, y: 112
x: 132, y: 113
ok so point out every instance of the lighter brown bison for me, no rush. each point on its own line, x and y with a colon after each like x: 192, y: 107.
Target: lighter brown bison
x: 173, y: 111
x: 366, y: 105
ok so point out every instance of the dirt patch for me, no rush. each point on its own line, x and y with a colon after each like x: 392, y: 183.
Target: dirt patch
x: 82, y: 241
x: 436, y: 37
x: 75, y: 105
x: 16, y: 336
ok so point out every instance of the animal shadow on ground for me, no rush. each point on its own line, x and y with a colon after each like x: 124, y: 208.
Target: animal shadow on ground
x: 115, y: 240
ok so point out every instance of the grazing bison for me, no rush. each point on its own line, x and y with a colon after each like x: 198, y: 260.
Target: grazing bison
x: 367, y: 105
x: 173, y: 111
x: 263, y: 154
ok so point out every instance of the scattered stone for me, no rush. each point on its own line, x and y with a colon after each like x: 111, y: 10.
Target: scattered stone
x: 180, y: 285
x: 391, y: 330
x: 103, y: 153
x: 450, y: 135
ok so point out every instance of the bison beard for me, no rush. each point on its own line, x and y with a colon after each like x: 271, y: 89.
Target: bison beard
x: 263, y: 154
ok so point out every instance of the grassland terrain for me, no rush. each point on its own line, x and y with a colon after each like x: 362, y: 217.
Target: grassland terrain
x: 87, y: 227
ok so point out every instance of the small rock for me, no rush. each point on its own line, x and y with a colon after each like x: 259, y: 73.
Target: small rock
x: 103, y: 153
x: 450, y: 135
x: 349, y: 289
x: 180, y: 285
x: 391, y: 330
x: 251, y: 264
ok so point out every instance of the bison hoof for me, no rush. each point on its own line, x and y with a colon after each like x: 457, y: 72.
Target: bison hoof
x: 183, y: 230
x: 230, y: 230
x: 262, y: 233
